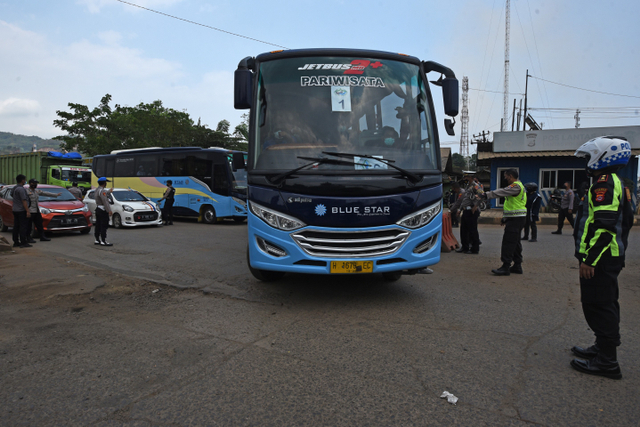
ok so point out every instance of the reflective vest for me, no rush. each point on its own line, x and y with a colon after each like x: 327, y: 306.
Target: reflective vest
x: 515, y: 206
x: 602, y: 230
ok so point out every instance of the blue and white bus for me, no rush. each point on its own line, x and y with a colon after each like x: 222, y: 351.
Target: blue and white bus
x: 343, y: 161
x: 207, y: 185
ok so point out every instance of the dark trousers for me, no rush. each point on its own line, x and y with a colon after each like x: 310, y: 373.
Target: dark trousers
x: 534, y: 228
x: 167, y: 211
x: 564, y: 213
x: 20, y: 228
x: 511, y: 249
x: 469, y: 230
x: 36, y: 222
x: 102, y: 224
x: 599, y: 296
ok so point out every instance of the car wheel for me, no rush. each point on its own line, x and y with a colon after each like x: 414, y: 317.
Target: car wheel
x: 264, y: 275
x: 116, y: 220
x: 209, y: 215
x: 392, y: 276
x: 85, y: 230
x: 3, y: 227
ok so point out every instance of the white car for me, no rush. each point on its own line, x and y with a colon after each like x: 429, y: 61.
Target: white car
x: 130, y: 208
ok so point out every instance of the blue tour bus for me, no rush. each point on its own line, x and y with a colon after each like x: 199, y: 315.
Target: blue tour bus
x: 343, y: 161
x: 207, y: 185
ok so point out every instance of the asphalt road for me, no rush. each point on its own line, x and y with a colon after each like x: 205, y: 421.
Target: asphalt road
x: 168, y: 327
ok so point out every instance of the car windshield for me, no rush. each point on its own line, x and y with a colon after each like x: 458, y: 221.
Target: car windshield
x: 65, y: 196
x: 128, y: 196
x: 360, y: 106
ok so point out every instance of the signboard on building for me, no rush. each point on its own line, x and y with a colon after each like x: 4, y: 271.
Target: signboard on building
x: 559, y: 139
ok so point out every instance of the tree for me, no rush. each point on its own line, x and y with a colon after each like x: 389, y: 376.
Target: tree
x: 458, y: 161
x: 104, y: 129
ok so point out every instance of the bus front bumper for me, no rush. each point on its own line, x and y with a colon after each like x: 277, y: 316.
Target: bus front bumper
x: 276, y: 250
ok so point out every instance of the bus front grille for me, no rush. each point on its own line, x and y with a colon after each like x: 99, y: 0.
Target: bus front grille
x: 350, y: 244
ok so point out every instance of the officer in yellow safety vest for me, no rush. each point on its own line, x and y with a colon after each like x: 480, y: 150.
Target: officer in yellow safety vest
x: 601, y: 232
x: 514, y: 217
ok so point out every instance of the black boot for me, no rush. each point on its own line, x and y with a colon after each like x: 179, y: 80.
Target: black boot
x: 502, y: 271
x: 586, y: 353
x: 605, y: 364
x: 517, y: 269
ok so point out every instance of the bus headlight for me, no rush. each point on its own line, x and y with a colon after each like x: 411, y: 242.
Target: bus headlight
x: 422, y: 217
x: 275, y: 219
x: 240, y: 202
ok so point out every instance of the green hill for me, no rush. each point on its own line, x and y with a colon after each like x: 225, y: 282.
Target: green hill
x: 12, y: 143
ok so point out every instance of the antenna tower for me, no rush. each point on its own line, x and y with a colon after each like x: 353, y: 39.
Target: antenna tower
x: 507, y: 22
x: 464, y: 134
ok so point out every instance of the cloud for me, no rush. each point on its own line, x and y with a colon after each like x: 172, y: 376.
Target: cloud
x: 13, y: 107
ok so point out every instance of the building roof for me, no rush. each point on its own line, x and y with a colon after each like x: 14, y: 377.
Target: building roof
x: 564, y: 153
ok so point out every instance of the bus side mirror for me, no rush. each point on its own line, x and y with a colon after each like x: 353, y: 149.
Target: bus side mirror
x: 450, y: 96
x: 243, y: 89
x: 238, y: 161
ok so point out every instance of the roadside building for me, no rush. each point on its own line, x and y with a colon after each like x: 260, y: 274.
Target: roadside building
x: 546, y: 158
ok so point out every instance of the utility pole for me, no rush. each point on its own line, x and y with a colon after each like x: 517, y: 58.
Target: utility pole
x: 526, y: 90
x: 513, y: 116
x: 577, y: 117
x: 519, y: 115
x: 505, y: 112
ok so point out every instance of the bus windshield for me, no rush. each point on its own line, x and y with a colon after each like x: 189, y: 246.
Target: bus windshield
x: 356, y: 106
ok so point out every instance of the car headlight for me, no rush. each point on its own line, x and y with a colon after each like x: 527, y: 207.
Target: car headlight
x: 422, y: 217
x: 44, y: 211
x: 275, y: 219
x: 127, y: 208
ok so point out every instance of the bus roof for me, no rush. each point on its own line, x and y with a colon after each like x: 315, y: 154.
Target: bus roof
x: 295, y: 53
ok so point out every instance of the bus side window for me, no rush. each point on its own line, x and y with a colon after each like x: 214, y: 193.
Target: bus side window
x: 220, y: 181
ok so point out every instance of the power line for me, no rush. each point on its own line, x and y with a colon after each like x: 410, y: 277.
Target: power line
x: 586, y: 90
x: 496, y: 91
x: 202, y: 25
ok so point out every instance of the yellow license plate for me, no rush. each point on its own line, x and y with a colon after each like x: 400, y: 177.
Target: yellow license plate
x: 351, y: 266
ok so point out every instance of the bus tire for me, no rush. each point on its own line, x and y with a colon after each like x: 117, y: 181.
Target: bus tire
x: 392, y: 276
x: 116, y: 221
x: 264, y: 275
x: 209, y: 215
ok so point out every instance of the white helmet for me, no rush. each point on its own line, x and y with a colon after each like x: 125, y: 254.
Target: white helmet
x: 605, y: 153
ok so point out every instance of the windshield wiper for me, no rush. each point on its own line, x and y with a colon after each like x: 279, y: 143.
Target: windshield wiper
x: 409, y: 175
x: 315, y: 161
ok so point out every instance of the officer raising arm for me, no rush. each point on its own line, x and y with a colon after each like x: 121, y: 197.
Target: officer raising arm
x: 513, y: 218
x: 601, y: 231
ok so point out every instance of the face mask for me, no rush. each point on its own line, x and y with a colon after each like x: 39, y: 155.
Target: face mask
x: 389, y: 141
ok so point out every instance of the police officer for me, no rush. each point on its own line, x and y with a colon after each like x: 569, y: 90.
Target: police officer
x: 169, y: 197
x: 533, y: 211
x: 34, y: 208
x: 513, y: 218
x: 601, y: 231
x: 103, y: 213
x: 468, y: 204
x: 77, y: 193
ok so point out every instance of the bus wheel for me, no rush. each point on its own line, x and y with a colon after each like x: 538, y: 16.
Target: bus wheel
x: 264, y: 275
x: 392, y: 276
x: 209, y: 215
x: 116, y: 220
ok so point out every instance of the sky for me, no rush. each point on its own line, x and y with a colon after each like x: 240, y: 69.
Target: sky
x: 53, y: 53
